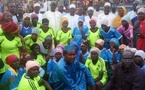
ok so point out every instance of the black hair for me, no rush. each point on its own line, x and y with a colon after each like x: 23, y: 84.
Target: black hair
x: 45, y: 20
x: 33, y: 46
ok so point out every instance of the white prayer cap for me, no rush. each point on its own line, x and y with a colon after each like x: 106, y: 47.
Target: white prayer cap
x: 107, y: 4
x: 141, y: 10
x: 90, y: 8
x: 104, y: 22
x: 140, y: 53
x: 72, y: 6
x: 126, y: 18
x: 36, y: 5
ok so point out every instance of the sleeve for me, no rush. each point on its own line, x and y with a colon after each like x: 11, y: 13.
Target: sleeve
x: 117, y: 34
x: 120, y: 29
x: 49, y: 68
x: 19, y: 43
x: 86, y: 31
x: 87, y: 63
x: 118, y: 57
x: 58, y: 35
x: 70, y: 34
x: 138, y: 83
x: 105, y: 76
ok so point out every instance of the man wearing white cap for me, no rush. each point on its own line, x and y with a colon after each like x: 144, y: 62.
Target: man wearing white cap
x: 54, y: 17
x: 90, y: 15
x: 106, y: 15
x: 72, y: 17
x: 36, y: 11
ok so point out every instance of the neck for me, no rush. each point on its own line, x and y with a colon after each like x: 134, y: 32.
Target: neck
x: 90, y: 16
x: 52, y: 10
x: 72, y: 14
x: 94, y: 62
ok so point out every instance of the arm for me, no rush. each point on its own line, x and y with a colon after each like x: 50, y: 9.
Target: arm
x: 43, y: 82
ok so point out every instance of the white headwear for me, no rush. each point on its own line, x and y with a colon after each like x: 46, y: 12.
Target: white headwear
x: 26, y: 15
x: 126, y: 18
x: 36, y: 5
x: 90, y: 8
x: 140, y: 53
x: 95, y: 50
x: 107, y: 4
x: 105, y: 22
x: 72, y: 6
x: 141, y: 10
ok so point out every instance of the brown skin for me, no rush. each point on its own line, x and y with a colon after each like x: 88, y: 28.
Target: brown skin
x: 45, y: 27
x: 139, y: 61
x: 34, y: 37
x: 70, y: 56
x: 12, y: 8
x: 37, y: 9
x: 72, y: 11
x: 106, y: 10
x: 60, y: 8
x: 121, y: 12
x: 80, y: 24
x: 58, y: 56
x: 27, y: 22
x: 53, y: 6
x: 34, y: 21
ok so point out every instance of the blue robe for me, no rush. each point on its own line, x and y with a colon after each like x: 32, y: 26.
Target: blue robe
x: 73, y: 76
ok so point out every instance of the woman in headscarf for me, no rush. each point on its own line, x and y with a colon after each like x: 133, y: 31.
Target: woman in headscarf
x: 93, y: 33
x: 31, y: 79
x: 34, y: 19
x: 117, y: 21
x: 127, y: 31
x: 10, y: 43
x: 64, y: 35
x: 26, y: 28
x: 97, y: 68
x: 141, y: 34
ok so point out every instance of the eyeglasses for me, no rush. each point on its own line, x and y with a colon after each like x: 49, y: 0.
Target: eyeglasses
x: 127, y: 59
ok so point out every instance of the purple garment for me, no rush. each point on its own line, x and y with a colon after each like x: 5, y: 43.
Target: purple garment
x: 127, y: 34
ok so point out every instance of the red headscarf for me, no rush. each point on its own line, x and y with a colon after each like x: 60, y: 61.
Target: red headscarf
x: 10, y: 59
x: 10, y: 27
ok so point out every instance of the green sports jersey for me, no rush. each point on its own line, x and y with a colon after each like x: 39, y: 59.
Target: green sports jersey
x: 45, y: 34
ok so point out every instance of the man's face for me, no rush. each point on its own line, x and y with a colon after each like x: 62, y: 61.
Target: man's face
x: 94, y: 56
x: 12, y: 7
x: 72, y: 11
x: 141, y: 16
x: 36, y: 9
x: 127, y: 59
x: 106, y: 10
x: 70, y: 56
x: 138, y: 60
x: 53, y: 6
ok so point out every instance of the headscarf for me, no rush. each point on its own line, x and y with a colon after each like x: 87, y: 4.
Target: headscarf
x: 126, y: 18
x: 122, y: 46
x: 140, y: 53
x: 58, y: 49
x: 64, y: 19
x: 31, y: 64
x: 141, y: 10
x: 10, y: 27
x: 93, y: 19
x: 61, y: 46
x: 105, y: 22
x: 26, y: 15
x: 33, y: 15
x: 117, y: 21
x: 95, y: 50
x: 36, y: 31
x: 11, y: 58
x: 45, y: 20
x: 116, y: 41
x: 100, y: 42
x: 69, y: 48
x: 81, y: 18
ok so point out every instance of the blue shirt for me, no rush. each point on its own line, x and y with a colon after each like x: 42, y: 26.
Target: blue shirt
x: 85, y: 56
x: 110, y: 57
x: 25, y: 31
x: 73, y: 76
x: 50, y: 66
x: 78, y: 36
x: 112, y: 33
x: 143, y: 68
x: 103, y: 54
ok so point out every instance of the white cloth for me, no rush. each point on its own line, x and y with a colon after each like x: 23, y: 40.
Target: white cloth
x: 87, y: 20
x: 72, y: 20
x: 14, y: 18
x: 40, y: 16
x: 140, y: 53
x: 110, y: 17
x: 131, y: 14
x: 54, y: 19
x: 96, y: 13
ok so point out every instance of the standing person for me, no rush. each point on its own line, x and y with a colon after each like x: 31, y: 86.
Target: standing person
x: 72, y: 17
x: 80, y: 32
x: 10, y: 42
x: 36, y: 10
x: 54, y: 17
x: 108, y: 32
x: 31, y: 80
x: 127, y: 75
x: 26, y: 28
x: 141, y: 34
x: 139, y: 59
x: 117, y: 21
x: 97, y: 10
x: 12, y: 76
x: 34, y: 21
x: 93, y: 33
x: 127, y: 31
x: 61, y: 9
x: 64, y: 35
x: 97, y: 68
x: 70, y: 74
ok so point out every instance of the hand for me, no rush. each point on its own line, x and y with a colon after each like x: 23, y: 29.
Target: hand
x: 99, y: 85
x: 113, y: 49
x: 11, y: 79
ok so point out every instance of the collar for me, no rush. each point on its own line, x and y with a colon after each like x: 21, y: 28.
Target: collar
x: 128, y: 70
x: 13, y: 71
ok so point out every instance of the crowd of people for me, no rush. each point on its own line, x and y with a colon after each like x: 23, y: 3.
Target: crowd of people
x: 70, y: 48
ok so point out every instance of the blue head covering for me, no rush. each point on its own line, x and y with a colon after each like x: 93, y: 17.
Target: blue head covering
x: 69, y: 48
x: 81, y: 18
x: 116, y: 41
x: 74, y: 43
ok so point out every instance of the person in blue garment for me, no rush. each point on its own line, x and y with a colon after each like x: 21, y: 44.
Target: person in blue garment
x: 103, y: 51
x: 113, y: 55
x: 12, y: 76
x: 58, y: 54
x: 80, y: 32
x: 108, y: 32
x: 69, y: 74
x: 26, y: 28
x: 139, y: 59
